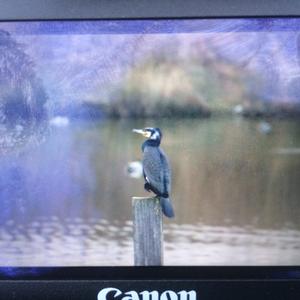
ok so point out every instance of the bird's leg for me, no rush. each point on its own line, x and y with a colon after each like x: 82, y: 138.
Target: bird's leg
x: 147, y: 187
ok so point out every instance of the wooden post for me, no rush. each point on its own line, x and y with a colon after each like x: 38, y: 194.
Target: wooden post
x: 147, y: 227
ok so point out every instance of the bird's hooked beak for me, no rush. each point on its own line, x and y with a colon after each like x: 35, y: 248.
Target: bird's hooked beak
x: 143, y: 132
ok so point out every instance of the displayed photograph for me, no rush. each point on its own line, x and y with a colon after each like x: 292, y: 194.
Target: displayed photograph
x: 200, y: 117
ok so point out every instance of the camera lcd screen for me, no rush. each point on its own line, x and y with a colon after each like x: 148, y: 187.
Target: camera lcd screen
x: 225, y: 94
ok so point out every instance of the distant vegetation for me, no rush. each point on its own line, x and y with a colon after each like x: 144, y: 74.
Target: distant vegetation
x: 22, y: 96
x: 162, y: 77
x: 156, y: 90
x: 161, y: 87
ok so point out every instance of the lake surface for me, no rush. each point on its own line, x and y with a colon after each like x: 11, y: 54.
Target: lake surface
x: 65, y: 197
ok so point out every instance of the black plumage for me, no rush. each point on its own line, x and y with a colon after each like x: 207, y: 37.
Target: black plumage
x: 156, y: 168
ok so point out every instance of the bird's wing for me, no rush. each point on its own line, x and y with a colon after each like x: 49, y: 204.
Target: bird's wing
x: 156, y: 169
x: 166, y: 172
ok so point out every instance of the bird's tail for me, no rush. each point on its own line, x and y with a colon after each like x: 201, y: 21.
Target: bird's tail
x: 167, y: 207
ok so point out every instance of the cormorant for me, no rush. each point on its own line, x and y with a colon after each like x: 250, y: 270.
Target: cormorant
x: 156, y: 168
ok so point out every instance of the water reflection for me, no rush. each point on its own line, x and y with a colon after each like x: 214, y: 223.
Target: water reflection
x: 65, y: 200
x: 51, y: 242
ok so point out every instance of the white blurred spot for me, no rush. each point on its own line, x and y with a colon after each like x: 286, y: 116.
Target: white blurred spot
x: 238, y: 109
x: 264, y: 127
x: 134, y: 169
x: 19, y: 128
x: 59, y: 121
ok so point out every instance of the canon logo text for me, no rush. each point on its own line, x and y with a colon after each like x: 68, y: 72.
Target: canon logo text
x: 145, y: 295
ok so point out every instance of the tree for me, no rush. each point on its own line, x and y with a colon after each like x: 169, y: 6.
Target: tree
x: 22, y: 95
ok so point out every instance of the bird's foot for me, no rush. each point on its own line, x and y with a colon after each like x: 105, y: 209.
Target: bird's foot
x: 147, y: 187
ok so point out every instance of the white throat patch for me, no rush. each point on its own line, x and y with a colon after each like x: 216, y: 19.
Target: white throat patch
x: 155, y: 136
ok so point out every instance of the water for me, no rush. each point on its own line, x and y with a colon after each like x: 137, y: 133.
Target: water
x: 66, y: 198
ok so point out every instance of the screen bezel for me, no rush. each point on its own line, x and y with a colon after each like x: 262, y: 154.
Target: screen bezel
x: 143, y: 9
x: 32, y: 10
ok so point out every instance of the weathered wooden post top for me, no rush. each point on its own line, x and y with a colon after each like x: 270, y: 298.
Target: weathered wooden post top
x: 147, y: 227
